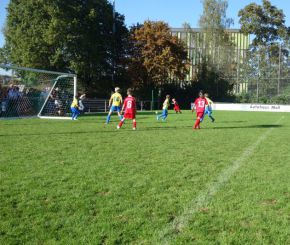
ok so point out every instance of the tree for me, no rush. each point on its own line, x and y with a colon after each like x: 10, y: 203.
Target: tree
x: 270, y: 46
x: 266, y: 22
x: 217, y: 48
x: 74, y: 36
x: 157, y: 57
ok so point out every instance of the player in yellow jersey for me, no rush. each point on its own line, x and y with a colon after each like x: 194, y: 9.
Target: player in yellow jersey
x: 75, y: 108
x: 208, y: 108
x: 115, y: 104
x: 165, y: 106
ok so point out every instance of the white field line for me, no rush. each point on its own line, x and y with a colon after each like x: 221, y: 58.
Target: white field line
x: 168, y: 233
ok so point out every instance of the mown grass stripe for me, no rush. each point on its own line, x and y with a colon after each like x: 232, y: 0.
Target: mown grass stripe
x: 168, y: 234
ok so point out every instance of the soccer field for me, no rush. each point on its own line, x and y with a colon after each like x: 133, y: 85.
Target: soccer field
x: 78, y: 182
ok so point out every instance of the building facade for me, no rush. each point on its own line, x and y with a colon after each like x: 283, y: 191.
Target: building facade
x: 235, y: 55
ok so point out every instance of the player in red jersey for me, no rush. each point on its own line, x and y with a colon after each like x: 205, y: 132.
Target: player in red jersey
x: 129, y: 107
x: 200, y: 104
x: 176, y: 106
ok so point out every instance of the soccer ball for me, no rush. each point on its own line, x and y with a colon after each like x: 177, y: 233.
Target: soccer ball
x: 156, y: 112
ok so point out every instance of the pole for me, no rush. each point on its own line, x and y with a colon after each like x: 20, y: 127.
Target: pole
x: 152, y: 100
x: 75, y: 86
x: 238, y: 72
x: 258, y: 78
x: 279, y: 74
x: 114, y: 32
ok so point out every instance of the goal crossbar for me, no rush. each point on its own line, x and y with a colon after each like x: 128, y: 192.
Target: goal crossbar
x: 11, y: 67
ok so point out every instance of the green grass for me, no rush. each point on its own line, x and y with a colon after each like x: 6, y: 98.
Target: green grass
x: 80, y: 183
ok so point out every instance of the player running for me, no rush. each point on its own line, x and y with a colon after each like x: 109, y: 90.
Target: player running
x: 176, y: 106
x: 208, y: 109
x: 200, y: 104
x: 115, y: 104
x: 130, y: 110
x: 165, y: 106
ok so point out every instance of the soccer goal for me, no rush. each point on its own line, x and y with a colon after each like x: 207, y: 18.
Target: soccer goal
x: 26, y: 92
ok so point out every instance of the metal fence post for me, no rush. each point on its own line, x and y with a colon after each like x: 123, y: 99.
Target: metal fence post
x: 152, y: 100
x: 279, y: 71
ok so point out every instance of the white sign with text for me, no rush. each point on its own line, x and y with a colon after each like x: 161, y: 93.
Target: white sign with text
x: 251, y: 107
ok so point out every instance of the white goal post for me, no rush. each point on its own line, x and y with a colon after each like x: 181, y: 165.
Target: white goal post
x: 27, y: 92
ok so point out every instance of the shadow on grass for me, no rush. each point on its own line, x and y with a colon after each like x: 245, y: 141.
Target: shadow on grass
x: 211, y: 128
x: 232, y: 121
x: 155, y: 128
x: 59, y: 133
x: 249, y: 126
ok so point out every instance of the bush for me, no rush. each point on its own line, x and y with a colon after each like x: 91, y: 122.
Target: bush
x: 280, y: 99
x: 248, y: 98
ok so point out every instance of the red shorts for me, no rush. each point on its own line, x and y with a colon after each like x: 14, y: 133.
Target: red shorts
x: 176, y: 108
x: 129, y: 115
x: 199, y: 114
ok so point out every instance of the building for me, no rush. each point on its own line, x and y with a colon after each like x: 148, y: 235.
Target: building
x: 236, y: 54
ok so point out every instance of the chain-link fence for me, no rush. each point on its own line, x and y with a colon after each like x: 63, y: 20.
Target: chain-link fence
x: 266, y: 74
x: 260, y: 74
x: 256, y: 76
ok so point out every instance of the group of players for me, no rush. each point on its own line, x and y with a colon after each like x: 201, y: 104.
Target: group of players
x: 202, y: 105
x: 129, y: 107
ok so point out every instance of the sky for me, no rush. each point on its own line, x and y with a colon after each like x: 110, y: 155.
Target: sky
x: 174, y: 12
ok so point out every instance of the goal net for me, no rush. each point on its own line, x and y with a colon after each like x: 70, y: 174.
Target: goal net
x: 26, y: 92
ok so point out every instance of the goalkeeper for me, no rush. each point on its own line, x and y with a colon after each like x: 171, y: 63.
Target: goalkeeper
x: 75, y: 108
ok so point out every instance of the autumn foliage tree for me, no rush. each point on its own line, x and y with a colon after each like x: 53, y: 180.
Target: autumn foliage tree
x: 157, y: 56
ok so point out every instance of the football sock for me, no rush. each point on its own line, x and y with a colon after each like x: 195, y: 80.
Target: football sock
x: 108, y: 119
x: 197, y: 123
x: 121, y: 123
x: 134, y: 124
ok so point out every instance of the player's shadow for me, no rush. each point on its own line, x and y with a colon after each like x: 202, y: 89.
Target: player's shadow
x: 164, y: 128
x: 232, y: 121
x: 141, y: 129
x: 58, y: 133
x: 249, y: 126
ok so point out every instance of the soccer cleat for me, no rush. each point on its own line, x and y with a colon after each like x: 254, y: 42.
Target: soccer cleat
x: 118, y: 127
x: 134, y: 128
x: 213, y: 120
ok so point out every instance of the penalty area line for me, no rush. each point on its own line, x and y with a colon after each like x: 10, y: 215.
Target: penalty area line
x: 168, y: 234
